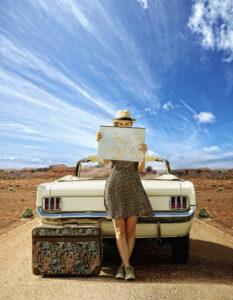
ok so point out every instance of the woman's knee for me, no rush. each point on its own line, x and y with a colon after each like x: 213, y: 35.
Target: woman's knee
x: 120, y: 233
x: 130, y: 232
x: 131, y: 226
x: 120, y: 229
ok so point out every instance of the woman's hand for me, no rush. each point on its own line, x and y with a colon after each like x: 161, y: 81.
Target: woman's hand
x: 141, y: 165
x: 143, y: 147
x: 99, y: 136
x: 106, y: 161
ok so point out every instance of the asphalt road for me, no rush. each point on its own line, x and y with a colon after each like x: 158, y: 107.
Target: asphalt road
x: 207, y: 275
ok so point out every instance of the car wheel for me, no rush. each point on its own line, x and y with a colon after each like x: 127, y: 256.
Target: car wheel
x: 180, y: 249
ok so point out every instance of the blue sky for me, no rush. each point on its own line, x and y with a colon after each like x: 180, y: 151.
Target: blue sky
x: 67, y: 66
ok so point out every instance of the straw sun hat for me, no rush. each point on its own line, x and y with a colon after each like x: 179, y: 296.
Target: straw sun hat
x: 123, y: 115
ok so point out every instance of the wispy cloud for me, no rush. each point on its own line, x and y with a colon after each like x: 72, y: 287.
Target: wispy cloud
x: 214, y: 148
x: 202, y: 117
x: 135, y: 75
x: 198, y: 159
x: 55, y: 102
x: 168, y: 105
x: 150, y: 111
x: 22, y: 58
x: 205, y: 117
x: 43, y: 110
x: 188, y: 107
x: 213, y: 22
x: 66, y: 67
x: 31, y: 147
x: 143, y: 3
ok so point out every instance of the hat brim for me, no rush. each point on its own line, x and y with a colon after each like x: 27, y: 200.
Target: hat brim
x: 124, y: 119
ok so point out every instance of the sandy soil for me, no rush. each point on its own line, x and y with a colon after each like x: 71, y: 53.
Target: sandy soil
x: 207, y: 275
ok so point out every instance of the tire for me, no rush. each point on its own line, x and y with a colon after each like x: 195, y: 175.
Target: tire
x: 180, y: 249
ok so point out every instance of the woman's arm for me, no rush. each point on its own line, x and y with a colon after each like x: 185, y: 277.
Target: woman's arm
x: 141, y: 166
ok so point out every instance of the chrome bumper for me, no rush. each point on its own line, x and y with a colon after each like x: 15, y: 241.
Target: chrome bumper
x: 161, y: 216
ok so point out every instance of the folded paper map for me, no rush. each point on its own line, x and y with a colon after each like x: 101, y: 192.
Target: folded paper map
x: 121, y: 143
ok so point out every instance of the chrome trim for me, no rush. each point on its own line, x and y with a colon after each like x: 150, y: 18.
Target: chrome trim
x: 162, y: 216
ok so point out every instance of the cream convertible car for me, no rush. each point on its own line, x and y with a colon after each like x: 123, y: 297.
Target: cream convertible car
x: 78, y: 198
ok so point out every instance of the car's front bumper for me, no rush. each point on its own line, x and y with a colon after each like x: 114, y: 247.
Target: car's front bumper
x: 161, y: 216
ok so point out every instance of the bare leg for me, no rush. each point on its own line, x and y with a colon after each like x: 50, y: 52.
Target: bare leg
x: 131, y: 223
x: 120, y: 231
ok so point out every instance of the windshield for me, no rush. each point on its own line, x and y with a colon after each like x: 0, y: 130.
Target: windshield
x: 99, y: 170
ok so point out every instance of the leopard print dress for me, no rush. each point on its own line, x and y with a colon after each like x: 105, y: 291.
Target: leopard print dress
x: 124, y: 194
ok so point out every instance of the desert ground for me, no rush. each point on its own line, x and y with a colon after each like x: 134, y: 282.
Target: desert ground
x: 207, y: 275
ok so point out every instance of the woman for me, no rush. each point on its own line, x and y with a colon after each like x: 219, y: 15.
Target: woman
x: 125, y: 199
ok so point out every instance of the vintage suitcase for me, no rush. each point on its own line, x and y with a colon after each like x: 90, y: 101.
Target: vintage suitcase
x: 67, y: 250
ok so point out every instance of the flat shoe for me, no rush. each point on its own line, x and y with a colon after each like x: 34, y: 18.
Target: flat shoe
x: 120, y: 273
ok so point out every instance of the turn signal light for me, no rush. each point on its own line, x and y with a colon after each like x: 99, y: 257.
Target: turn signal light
x: 179, y: 202
x: 52, y: 203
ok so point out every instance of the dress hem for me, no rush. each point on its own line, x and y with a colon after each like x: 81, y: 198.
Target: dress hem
x: 131, y: 214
